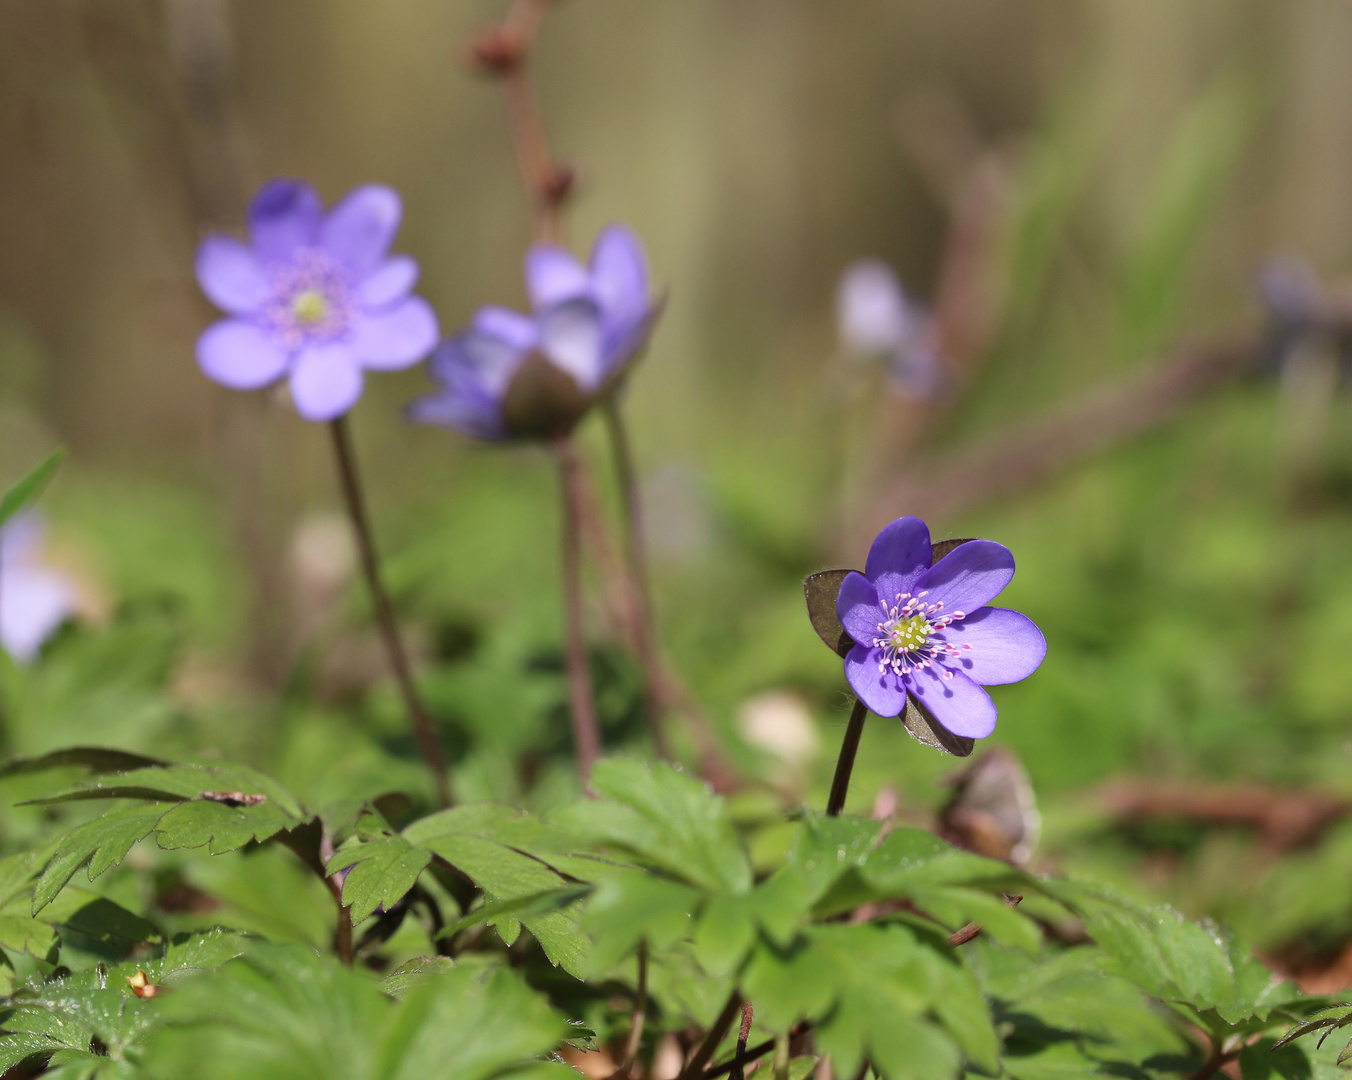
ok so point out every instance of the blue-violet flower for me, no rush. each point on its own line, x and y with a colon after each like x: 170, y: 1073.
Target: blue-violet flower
x: 926, y: 630
x: 511, y: 375
x: 34, y: 600
x: 876, y: 320
x: 314, y: 297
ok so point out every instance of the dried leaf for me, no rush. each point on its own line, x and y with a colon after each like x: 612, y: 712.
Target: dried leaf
x: 924, y: 728
x: 821, y: 590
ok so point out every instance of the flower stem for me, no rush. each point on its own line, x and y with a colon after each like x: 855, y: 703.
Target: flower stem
x: 636, y: 554
x: 695, y: 1066
x: 743, y: 1033
x: 849, y: 746
x: 635, y: 1040
x: 389, y: 627
x: 342, y: 932
x: 586, y: 735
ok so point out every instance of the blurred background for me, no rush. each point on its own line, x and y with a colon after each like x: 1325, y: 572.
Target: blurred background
x: 1133, y: 395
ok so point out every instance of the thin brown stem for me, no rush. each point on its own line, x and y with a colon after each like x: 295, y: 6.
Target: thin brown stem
x: 1218, y: 1059
x: 635, y: 1040
x: 636, y: 553
x: 744, y: 1033
x: 342, y: 933
x: 849, y: 747
x: 586, y: 734
x: 389, y: 626
x: 695, y: 1066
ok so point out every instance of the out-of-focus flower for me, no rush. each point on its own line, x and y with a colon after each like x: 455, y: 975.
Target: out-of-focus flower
x: 514, y: 376
x: 780, y: 722
x: 926, y: 630
x: 878, y: 321
x: 34, y: 600
x: 313, y: 297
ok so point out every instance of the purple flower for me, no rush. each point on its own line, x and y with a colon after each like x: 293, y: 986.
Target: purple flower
x: 34, y: 601
x: 926, y: 630
x: 878, y: 321
x: 314, y: 297
x: 533, y: 376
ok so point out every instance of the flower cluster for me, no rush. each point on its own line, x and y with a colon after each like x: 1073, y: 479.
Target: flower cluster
x: 316, y: 299
x: 926, y: 630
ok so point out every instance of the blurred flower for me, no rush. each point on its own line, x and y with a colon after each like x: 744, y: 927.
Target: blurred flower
x: 34, y: 600
x: 534, y: 376
x: 313, y: 297
x: 781, y: 723
x: 878, y: 321
x: 925, y: 630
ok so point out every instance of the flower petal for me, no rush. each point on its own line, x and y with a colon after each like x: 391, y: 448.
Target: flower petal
x: 553, y: 276
x: 33, y: 603
x: 968, y: 577
x: 393, y: 339
x: 899, y: 557
x: 957, y: 703
x: 477, y: 359
x: 466, y: 409
x: 881, y: 691
x: 619, y: 271
x: 231, y: 275
x: 570, y: 336
x: 858, y: 609
x: 326, y: 382
x: 240, y: 355
x: 388, y: 282
x: 358, y: 231
x: 283, y: 216
x: 1006, y: 646
x: 510, y: 327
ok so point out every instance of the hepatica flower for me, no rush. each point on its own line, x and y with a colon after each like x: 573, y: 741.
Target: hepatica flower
x: 511, y: 375
x: 314, y: 297
x: 34, y: 601
x: 876, y: 320
x: 927, y: 630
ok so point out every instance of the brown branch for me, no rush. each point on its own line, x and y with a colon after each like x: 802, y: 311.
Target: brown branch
x: 695, y: 1066
x: 1022, y: 456
x: 1286, y: 819
x: 505, y: 52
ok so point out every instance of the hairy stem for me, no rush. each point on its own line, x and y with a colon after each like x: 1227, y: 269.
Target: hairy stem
x: 389, y: 626
x: 636, y: 554
x: 635, y: 1040
x: 586, y: 734
x: 849, y: 746
x: 695, y: 1066
x: 744, y: 1033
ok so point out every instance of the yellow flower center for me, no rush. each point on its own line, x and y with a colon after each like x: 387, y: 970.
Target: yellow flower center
x: 309, y: 307
x: 910, y: 633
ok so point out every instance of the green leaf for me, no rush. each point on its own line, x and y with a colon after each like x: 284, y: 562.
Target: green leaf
x: 914, y: 858
x: 666, y: 819
x: 283, y: 1011
x: 518, y: 907
x: 98, y: 844
x: 382, y: 872
x: 95, y: 758
x: 629, y: 906
x: 726, y: 932
x: 957, y: 906
x: 825, y: 847
x: 414, y: 973
x: 30, y: 487
x: 505, y: 874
